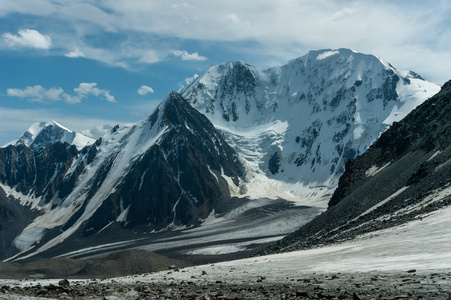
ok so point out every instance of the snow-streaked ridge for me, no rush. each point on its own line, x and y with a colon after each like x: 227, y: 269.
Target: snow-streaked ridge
x: 125, y: 144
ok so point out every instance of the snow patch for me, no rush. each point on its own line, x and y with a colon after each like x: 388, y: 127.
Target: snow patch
x: 28, y: 237
x: 123, y: 216
x: 25, y: 200
x: 374, y: 170
x: 230, y: 248
x: 326, y: 54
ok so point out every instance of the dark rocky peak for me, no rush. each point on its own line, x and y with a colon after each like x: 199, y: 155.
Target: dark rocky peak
x: 446, y: 87
x: 177, y: 181
x: 39, y: 172
x: 195, y: 129
x: 176, y: 110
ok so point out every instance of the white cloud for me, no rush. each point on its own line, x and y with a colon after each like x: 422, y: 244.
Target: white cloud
x: 28, y: 38
x: 184, y: 55
x: 191, y: 79
x: 97, y: 131
x: 150, y: 57
x: 85, y: 89
x: 144, y: 90
x: 74, y: 53
x: 187, y: 81
x: 39, y: 94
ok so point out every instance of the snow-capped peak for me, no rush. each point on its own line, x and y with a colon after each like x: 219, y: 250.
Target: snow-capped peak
x: 300, y: 122
x: 44, y: 133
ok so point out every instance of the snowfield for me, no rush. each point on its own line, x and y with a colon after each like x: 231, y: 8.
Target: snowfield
x: 422, y: 245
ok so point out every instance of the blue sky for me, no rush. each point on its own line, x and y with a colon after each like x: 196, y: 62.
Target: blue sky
x: 92, y: 64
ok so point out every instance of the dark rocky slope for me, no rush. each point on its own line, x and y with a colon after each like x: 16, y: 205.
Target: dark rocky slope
x: 392, y: 183
x: 13, y: 219
x: 172, y: 183
x: 114, y: 265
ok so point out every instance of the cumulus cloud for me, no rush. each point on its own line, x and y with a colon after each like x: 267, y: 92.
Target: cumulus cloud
x: 29, y: 38
x: 39, y: 94
x: 185, y: 55
x: 144, y: 90
x: 74, y: 53
x: 191, y: 79
x: 97, y: 131
x: 85, y: 89
x: 187, y: 81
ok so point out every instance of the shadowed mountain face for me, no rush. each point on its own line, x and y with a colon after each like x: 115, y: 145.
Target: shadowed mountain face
x: 171, y: 169
x: 404, y: 175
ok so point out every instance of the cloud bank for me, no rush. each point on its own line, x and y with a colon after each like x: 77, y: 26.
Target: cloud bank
x: 409, y: 34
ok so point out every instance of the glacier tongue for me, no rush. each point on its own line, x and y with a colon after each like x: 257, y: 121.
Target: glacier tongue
x: 295, y: 126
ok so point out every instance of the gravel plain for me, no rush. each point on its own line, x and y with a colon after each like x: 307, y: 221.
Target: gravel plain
x: 370, y: 285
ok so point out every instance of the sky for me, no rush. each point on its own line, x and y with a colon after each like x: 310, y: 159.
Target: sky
x: 90, y: 65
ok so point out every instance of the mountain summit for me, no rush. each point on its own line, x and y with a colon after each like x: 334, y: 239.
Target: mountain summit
x: 44, y: 133
x: 297, y: 125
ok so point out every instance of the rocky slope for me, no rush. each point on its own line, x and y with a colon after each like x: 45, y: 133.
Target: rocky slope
x: 170, y: 169
x: 405, y: 175
x: 312, y: 286
x: 295, y: 126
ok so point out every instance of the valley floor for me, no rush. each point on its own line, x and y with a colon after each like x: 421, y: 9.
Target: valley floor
x: 370, y: 285
x: 408, y: 262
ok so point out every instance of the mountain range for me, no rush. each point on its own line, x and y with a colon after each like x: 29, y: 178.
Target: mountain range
x: 295, y: 126
x: 236, y: 132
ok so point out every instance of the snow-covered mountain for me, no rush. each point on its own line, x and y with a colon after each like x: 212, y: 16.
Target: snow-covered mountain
x: 404, y: 176
x: 170, y: 169
x: 45, y: 133
x: 295, y: 126
x: 282, y: 133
